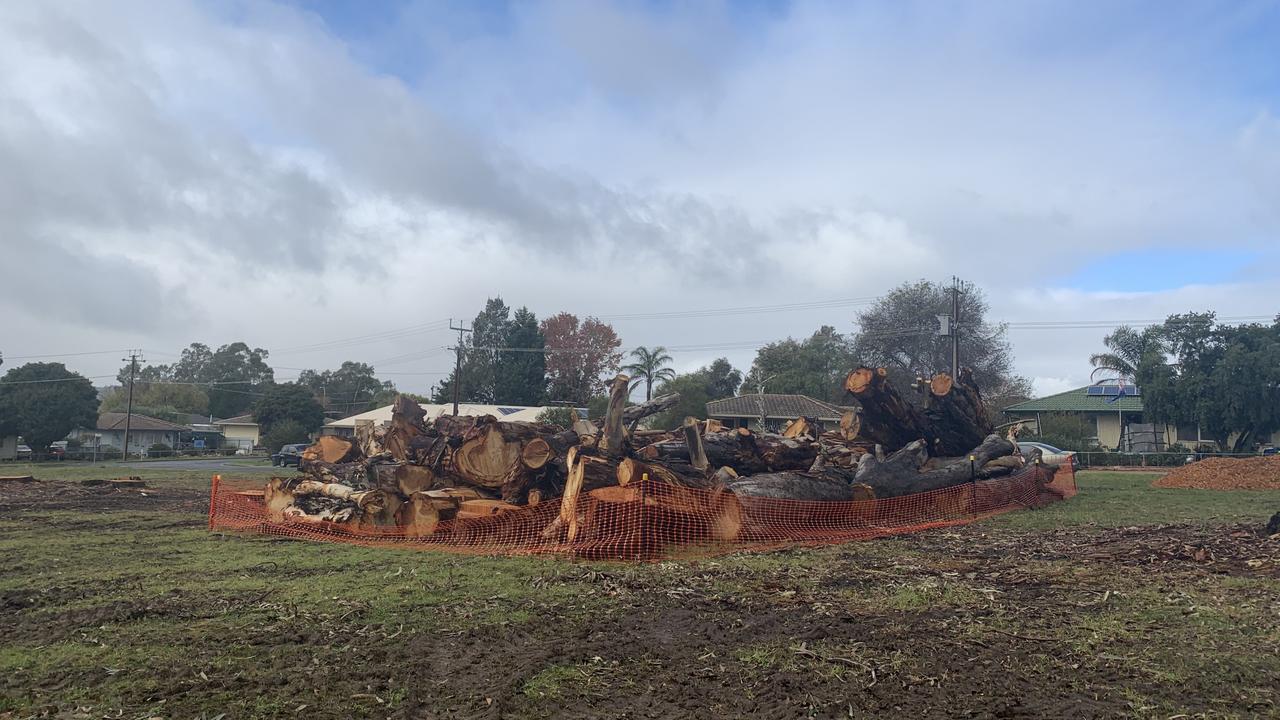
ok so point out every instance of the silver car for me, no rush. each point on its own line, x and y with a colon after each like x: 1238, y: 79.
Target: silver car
x: 1049, y: 453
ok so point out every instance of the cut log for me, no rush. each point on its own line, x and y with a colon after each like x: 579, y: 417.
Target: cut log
x: 277, y: 497
x: 572, y: 488
x: 484, y: 508
x: 800, y: 427
x: 900, y: 473
x: 693, y: 442
x: 489, y: 459
x: 791, y: 486
x: 613, y: 435
x: 536, y: 453
x: 887, y: 419
x: 380, y: 511
x: 420, y: 515
x: 724, y: 475
x: 956, y: 413
x: 636, y: 413
x: 406, y: 424
x: 850, y: 425
x: 331, y: 449
x: 369, y: 438
x: 410, y: 479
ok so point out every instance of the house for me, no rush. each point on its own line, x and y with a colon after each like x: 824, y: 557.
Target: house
x: 777, y: 409
x: 346, y: 427
x: 1114, y: 412
x: 144, y: 432
x: 240, y: 431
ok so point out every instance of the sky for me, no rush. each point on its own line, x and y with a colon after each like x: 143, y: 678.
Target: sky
x: 335, y: 180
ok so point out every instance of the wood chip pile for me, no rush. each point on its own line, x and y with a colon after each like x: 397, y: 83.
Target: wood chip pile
x: 1219, y: 473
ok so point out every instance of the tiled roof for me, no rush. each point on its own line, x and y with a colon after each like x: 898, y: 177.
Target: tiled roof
x: 1078, y: 401
x: 115, y: 421
x: 246, y: 419
x: 775, y: 406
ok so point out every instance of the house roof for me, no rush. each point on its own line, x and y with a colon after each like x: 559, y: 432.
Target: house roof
x: 1078, y: 400
x: 517, y: 413
x: 115, y: 421
x: 775, y: 406
x: 246, y: 419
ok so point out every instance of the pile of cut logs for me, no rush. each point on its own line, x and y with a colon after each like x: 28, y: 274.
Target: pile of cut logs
x: 413, y: 474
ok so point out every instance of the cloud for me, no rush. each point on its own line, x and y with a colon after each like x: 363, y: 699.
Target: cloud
x: 241, y: 168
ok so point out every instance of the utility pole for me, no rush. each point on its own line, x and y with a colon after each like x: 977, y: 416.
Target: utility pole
x: 955, y: 328
x: 128, y: 416
x: 457, y: 366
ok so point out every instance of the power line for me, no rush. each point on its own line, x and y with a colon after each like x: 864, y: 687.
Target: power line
x: 70, y: 354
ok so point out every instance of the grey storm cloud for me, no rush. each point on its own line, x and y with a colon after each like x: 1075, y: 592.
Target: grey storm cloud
x: 238, y: 166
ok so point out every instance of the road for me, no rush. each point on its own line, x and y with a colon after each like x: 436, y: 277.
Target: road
x: 228, y: 466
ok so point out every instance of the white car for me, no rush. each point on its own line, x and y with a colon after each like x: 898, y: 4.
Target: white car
x: 1048, y: 453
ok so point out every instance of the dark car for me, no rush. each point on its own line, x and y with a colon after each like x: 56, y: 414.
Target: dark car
x: 288, y: 455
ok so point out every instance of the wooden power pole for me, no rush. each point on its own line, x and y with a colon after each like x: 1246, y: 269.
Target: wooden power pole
x: 128, y: 416
x: 457, y: 366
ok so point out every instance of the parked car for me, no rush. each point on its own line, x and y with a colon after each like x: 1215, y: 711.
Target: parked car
x: 1049, y: 453
x: 24, y: 451
x: 288, y: 455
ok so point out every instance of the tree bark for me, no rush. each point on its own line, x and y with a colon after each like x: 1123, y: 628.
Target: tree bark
x: 791, y: 486
x: 955, y: 411
x: 613, y: 436
x: 886, y: 419
x: 900, y: 473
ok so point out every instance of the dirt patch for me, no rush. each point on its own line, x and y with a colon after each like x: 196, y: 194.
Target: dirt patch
x: 87, y: 496
x: 1252, y: 473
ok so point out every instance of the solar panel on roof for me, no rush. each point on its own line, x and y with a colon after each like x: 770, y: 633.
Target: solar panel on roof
x: 1134, y: 391
x: 508, y: 410
x: 1094, y: 390
x: 1111, y: 390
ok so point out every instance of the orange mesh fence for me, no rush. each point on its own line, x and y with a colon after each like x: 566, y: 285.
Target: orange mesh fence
x: 650, y: 520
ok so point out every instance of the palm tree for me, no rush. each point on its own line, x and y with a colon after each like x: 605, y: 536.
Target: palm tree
x: 1127, y: 348
x: 650, y: 367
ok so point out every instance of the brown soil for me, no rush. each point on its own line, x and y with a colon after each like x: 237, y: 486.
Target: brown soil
x: 1252, y: 473
x: 58, y: 495
x: 671, y: 641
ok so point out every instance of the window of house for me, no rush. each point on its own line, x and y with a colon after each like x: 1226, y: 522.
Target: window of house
x: 1188, y: 433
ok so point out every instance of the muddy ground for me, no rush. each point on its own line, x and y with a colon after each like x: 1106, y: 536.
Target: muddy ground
x: 984, y: 621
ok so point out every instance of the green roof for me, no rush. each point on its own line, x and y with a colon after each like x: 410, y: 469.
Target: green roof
x: 1078, y: 401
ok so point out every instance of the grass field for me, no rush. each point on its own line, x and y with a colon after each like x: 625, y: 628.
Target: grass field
x: 1126, y: 601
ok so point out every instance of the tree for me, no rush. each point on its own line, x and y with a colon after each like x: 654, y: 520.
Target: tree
x: 43, y: 402
x: 521, y: 377
x: 502, y: 360
x: 815, y: 367
x: 235, y: 373
x: 1224, y: 378
x: 285, y: 432
x: 163, y: 400
x: 229, y: 377
x: 1125, y: 349
x: 712, y: 382
x: 351, y: 389
x: 579, y: 356
x: 288, y: 401
x: 899, y: 332
x: 650, y: 367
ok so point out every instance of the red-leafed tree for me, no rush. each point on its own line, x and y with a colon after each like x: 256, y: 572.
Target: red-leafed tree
x: 580, y: 356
